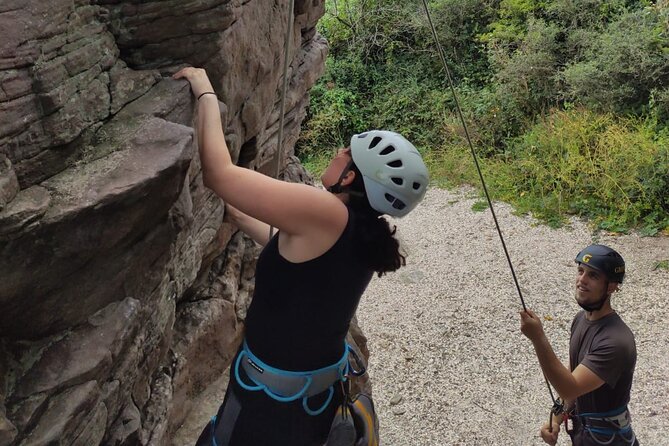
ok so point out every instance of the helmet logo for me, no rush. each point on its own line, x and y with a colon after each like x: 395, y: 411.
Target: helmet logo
x: 586, y: 258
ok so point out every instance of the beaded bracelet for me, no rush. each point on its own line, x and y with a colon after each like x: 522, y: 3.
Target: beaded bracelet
x: 206, y: 92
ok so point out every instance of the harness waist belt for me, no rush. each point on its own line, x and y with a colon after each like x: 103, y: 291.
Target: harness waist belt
x: 618, y: 420
x: 286, y: 386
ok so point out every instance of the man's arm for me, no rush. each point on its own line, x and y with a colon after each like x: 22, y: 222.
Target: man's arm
x: 549, y: 432
x: 570, y: 385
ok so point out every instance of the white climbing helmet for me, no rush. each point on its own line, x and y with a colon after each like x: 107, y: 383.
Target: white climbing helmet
x: 393, y: 171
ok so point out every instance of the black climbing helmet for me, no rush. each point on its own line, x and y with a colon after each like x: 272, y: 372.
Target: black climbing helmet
x: 604, y: 259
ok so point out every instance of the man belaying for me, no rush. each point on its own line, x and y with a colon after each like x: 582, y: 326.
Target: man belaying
x: 596, y: 387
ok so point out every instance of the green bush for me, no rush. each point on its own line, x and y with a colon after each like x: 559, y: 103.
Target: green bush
x: 619, y: 68
x: 338, y: 107
x: 459, y: 23
x: 529, y: 76
x: 413, y: 108
x: 613, y: 171
x: 510, y: 26
x: 566, y: 101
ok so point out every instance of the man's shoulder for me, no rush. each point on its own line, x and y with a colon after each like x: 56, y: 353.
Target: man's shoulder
x: 619, y: 324
x: 623, y: 329
x: 611, y: 326
x: 617, y: 332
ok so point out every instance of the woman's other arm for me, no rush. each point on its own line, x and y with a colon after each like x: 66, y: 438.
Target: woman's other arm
x: 250, y: 226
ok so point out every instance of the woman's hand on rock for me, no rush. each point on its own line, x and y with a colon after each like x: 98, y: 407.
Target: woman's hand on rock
x: 197, y: 77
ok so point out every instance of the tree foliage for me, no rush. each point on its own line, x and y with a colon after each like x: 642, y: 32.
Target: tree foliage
x: 523, y: 69
x: 620, y: 67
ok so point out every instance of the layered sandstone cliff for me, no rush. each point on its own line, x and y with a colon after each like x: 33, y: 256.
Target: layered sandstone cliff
x: 121, y: 293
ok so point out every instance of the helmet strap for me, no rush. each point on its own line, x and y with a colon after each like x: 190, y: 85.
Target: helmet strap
x: 337, y: 188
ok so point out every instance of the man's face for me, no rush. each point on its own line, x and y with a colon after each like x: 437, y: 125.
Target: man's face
x: 591, y: 285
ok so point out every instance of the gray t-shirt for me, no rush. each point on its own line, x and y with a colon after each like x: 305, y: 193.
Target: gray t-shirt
x: 606, y: 347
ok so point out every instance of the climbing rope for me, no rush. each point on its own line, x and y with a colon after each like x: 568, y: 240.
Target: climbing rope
x: 284, y: 87
x: 440, y: 50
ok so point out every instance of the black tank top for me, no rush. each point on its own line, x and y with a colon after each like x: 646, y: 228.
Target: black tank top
x: 300, y: 312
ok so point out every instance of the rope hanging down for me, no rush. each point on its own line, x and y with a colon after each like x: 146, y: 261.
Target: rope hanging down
x: 284, y: 87
x: 440, y: 50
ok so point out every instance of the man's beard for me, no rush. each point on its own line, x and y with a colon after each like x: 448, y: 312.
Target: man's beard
x: 594, y: 306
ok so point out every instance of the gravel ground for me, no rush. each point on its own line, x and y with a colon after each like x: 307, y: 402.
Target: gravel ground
x: 444, y: 331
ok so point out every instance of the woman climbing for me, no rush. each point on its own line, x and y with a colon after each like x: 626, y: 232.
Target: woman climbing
x: 285, y: 381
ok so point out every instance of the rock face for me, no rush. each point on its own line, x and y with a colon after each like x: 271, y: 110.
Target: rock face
x: 122, y: 293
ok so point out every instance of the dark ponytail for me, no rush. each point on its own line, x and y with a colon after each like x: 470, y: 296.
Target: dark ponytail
x: 376, y: 242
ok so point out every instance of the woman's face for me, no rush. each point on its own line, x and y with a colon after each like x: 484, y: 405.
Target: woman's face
x: 337, y: 165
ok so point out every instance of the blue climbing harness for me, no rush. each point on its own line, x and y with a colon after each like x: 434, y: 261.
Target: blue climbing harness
x: 616, y: 422
x: 286, y: 386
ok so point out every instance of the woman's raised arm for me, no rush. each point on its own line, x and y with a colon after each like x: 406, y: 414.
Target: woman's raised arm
x: 295, y: 209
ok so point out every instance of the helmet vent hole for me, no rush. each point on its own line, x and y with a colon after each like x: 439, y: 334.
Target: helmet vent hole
x: 362, y: 135
x: 396, y: 163
x: 375, y: 141
x: 416, y: 186
x: 398, y: 181
x: 396, y: 203
x: 387, y: 151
